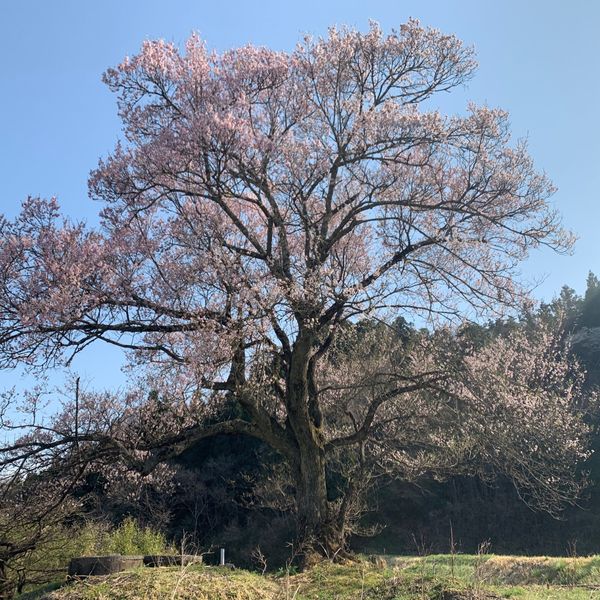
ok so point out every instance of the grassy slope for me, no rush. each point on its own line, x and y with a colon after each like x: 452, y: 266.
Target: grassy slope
x: 440, y: 577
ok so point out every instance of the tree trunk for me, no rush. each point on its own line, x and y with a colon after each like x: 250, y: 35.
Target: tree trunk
x: 316, y: 527
x: 311, y: 499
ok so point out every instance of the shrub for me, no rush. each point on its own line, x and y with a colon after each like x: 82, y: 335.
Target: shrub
x: 131, y: 538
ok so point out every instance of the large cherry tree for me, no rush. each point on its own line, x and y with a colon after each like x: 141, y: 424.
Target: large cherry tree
x: 258, y: 206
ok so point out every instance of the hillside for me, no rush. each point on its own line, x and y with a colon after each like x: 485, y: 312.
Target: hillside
x: 439, y: 577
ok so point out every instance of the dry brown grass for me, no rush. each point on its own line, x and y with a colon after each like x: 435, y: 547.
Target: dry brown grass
x: 164, y: 583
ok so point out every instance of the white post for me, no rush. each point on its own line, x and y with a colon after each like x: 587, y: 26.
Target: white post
x: 222, y: 557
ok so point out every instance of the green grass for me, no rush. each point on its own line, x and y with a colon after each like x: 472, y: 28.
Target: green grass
x: 436, y: 577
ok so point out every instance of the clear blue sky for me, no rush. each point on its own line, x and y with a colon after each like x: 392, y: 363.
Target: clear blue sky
x: 538, y: 59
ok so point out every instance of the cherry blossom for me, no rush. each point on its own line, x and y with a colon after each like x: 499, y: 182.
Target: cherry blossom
x: 258, y: 205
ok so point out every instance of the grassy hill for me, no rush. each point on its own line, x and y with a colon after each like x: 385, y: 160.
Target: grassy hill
x: 439, y: 577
